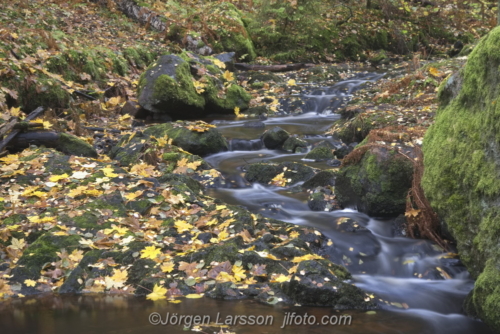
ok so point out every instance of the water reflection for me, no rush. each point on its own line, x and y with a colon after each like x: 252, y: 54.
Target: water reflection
x: 120, y: 314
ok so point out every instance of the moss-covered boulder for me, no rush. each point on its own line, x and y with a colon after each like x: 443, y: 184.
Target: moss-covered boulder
x: 187, y: 86
x: 320, y: 153
x: 324, y: 178
x: 275, y: 137
x: 265, y: 172
x: 199, y: 143
x: 377, y: 184
x: 295, y: 145
x: 462, y: 160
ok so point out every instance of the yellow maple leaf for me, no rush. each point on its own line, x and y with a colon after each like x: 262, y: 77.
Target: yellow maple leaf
x: 29, y: 282
x: 119, y: 275
x: 17, y: 243
x: 108, y: 171
x: 158, y: 293
x: 167, y: 267
x: 55, y: 178
x: 131, y: 196
x: 114, y: 101
x: 279, y: 180
x: 223, y: 235
x: 194, y: 295
x: 306, y: 258
x: 435, y: 72
x: 291, y: 82
x: 218, y: 63
x: 77, y: 191
x: 182, y: 226
x: 150, y: 252
x: 228, y: 76
x: 199, y: 86
x: 16, y: 112
x: 239, y: 273
x: 224, y: 277
x: 412, y: 213
x: 38, y: 220
x: 237, y: 111
x: 294, y: 234
x: 281, y: 278
x: 193, y: 165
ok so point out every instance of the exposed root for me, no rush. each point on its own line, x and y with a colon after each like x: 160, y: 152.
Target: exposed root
x: 421, y: 218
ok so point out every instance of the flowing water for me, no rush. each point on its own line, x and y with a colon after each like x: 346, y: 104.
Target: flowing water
x: 421, y: 288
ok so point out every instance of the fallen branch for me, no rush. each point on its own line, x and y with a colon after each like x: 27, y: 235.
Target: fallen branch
x: 34, y: 114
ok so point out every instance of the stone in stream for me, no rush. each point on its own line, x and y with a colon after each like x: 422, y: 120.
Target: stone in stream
x: 377, y: 183
x: 295, y: 145
x: 323, y: 199
x: 322, y: 151
x: 167, y: 88
x: 274, y: 138
x: 462, y: 160
x: 265, y: 172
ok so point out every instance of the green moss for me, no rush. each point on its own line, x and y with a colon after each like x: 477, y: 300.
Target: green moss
x: 42, y: 251
x: 320, y: 153
x: 462, y: 161
x: 181, y: 87
x: 378, y: 184
x: 72, y: 145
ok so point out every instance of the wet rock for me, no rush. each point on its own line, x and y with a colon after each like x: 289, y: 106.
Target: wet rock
x: 322, y: 179
x: 166, y: 88
x: 341, y: 149
x: 228, y: 59
x: 323, y: 199
x: 294, y: 144
x: 398, y: 227
x: 275, y: 137
x: 377, y: 184
x: 320, y: 153
x: 334, y: 163
x: 199, y: 143
x: 264, y: 173
x: 130, y: 108
x: 321, y: 283
x: 245, y: 144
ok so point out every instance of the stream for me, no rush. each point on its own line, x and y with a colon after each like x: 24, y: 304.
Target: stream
x: 420, y: 287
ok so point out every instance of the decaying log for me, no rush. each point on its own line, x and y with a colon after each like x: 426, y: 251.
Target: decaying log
x: 34, y: 114
x: 38, y: 138
x: 272, y: 68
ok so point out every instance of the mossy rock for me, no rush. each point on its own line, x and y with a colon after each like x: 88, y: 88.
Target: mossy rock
x: 322, y: 179
x: 320, y: 153
x: 199, y: 143
x: 462, y: 159
x: 294, y: 145
x: 264, y: 172
x: 377, y: 185
x: 167, y: 88
x: 303, y: 287
x: 42, y: 251
x: 275, y: 137
x: 232, y: 33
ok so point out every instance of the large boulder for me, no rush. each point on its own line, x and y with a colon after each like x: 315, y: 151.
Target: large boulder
x: 377, y: 183
x: 187, y: 86
x: 462, y: 163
